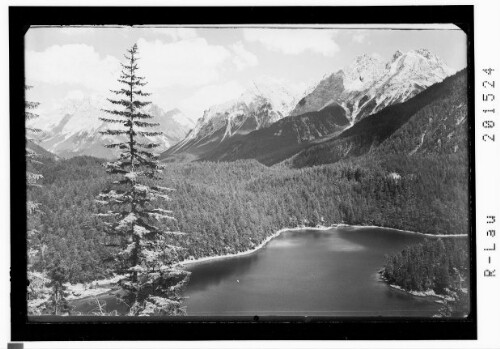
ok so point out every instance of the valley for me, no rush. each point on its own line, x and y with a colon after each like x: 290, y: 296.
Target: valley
x: 374, y: 144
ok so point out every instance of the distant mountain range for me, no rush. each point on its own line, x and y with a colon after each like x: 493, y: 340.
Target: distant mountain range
x: 367, y: 107
x: 368, y: 85
x: 259, y: 107
x: 336, y: 103
x: 73, y: 129
x: 433, y: 122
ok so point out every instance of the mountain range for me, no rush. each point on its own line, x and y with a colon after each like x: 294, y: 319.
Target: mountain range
x: 338, y: 102
x: 369, y: 84
x: 432, y: 122
x: 74, y: 128
x: 366, y: 107
x: 260, y: 106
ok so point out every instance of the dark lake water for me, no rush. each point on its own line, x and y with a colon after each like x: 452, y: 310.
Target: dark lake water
x: 318, y: 273
x: 310, y: 272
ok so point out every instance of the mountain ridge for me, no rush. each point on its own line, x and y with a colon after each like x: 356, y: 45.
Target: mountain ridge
x: 369, y: 84
x: 349, y: 96
x: 261, y: 105
x: 401, y: 128
x: 74, y: 128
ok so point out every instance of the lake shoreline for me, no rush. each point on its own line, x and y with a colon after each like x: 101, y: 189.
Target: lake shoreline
x: 318, y: 228
x: 400, y: 230
x: 429, y: 294
x: 253, y: 250
x: 101, y: 291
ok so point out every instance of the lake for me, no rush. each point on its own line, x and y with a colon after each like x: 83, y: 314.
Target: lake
x: 308, y: 272
x: 302, y: 272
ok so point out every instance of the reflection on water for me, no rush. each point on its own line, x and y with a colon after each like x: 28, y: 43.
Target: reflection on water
x: 211, y: 274
x: 311, y: 272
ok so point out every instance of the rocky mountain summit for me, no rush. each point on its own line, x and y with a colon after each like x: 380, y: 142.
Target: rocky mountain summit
x: 74, y: 128
x: 369, y: 84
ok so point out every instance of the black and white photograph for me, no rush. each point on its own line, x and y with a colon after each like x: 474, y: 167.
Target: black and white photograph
x: 266, y: 170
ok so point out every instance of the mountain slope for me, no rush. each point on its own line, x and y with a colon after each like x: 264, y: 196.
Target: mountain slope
x: 434, y: 121
x: 41, y: 152
x: 365, y: 87
x: 282, y: 139
x: 368, y: 85
x: 73, y: 129
x: 257, y: 108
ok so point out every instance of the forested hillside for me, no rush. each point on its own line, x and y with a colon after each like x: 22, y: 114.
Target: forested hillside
x: 69, y: 229
x: 231, y: 207
x: 440, y: 267
x: 41, y: 152
x: 435, y: 121
x: 276, y: 142
x: 215, y: 142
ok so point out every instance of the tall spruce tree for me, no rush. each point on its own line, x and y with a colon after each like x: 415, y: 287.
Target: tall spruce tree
x: 146, y: 252
x: 37, y: 291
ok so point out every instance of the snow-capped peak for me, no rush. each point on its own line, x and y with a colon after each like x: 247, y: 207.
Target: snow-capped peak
x: 419, y: 67
x: 273, y: 91
x: 173, y: 114
x: 396, y: 55
x: 264, y: 102
x: 368, y: 84
x: 73, y: 115
x: 181, y: 118
x: 363, y: 72
x: 259, y: 92
x: 73, y: 128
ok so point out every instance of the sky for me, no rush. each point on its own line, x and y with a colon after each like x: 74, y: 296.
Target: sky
x: 193, y: 68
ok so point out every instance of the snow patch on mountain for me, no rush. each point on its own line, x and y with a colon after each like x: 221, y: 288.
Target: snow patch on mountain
x: 73, y: 116
x: 363, y: 72
x: 264, y: 102
x: 179, y: 117
x: 74, y: 128
x: 368, y: 84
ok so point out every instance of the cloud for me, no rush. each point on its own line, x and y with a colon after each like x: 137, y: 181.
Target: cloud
x: 294, y: 41
x: 242, y: 57
x: 359, y: 38
x: 72, y: 64
x: 186, y: 63
x: 301, y: 87
x: 190, y: 63
x: 74, y: 94
x: 175, y: 33
x: 76, y: 30
x: 210, y: 95
x: 180, y: 33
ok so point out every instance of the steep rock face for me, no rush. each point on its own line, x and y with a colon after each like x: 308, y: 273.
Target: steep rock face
x: 369, y: 85
x: 433, y: 122
x: 73, y: 129
x: 243, y: 128
x: 282, y: 139
x: 260, y: 106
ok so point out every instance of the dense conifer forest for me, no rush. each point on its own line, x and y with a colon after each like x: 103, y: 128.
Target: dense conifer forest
x: 230, y: 207
x: 436, y: 265
x: 440, y: 265
x: 375, y: 144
